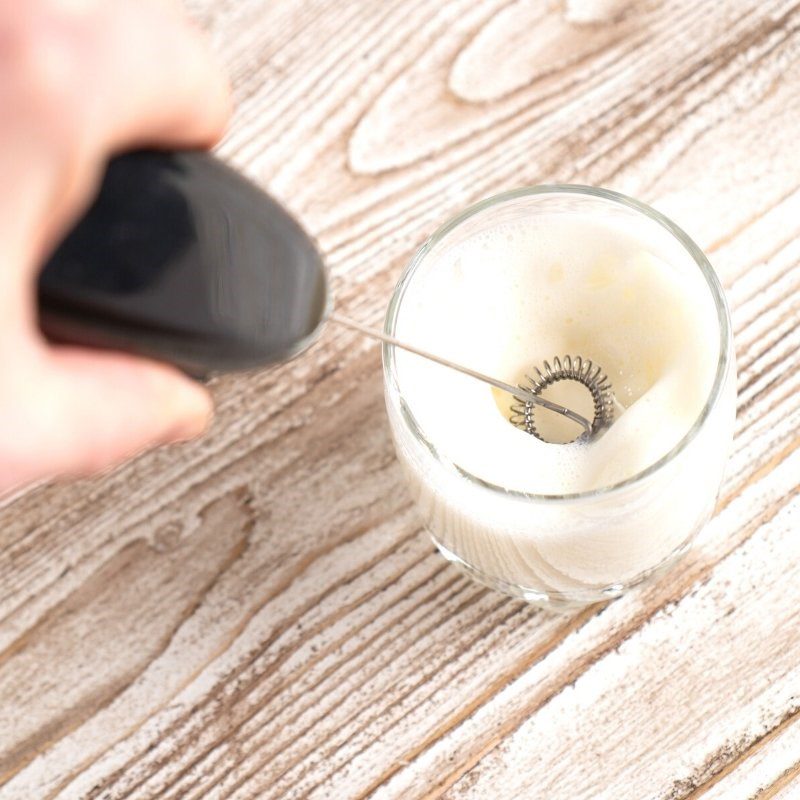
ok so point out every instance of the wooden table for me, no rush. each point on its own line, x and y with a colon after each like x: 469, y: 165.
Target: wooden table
x: 259, y: 614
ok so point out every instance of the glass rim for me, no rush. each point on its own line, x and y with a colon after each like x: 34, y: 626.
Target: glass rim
x: 697, y: 255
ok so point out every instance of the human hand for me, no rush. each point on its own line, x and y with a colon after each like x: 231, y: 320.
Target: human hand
x: 79, y: 81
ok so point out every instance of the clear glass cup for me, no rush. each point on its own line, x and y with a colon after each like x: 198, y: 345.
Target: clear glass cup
x: 572, y: 549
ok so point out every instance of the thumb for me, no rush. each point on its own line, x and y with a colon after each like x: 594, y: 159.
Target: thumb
x: 109, y: 406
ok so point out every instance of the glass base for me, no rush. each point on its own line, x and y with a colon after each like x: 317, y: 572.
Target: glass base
x: 561, y: 601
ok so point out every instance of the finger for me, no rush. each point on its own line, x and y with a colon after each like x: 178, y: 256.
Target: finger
x: 170, y: 88
x: 79, y: 81
x: 104, y: 407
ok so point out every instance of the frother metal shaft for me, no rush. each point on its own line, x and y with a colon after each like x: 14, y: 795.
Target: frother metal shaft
x: 514, y: 391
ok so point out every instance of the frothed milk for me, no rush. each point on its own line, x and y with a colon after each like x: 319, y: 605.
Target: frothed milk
x: 509, y: 293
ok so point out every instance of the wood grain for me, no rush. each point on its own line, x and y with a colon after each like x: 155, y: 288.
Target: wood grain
x: 258, y: 614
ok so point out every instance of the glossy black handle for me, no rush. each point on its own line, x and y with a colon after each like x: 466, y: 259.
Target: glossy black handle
x: 182, y: 259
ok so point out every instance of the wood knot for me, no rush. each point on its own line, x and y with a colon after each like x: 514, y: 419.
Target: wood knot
x: 167, y: 537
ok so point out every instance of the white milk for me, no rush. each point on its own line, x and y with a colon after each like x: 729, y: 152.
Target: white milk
x: 502, y: 298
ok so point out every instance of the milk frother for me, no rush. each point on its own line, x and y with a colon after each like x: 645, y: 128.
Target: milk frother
x: 182, y: 259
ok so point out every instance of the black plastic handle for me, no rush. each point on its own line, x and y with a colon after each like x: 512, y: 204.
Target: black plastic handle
x: 182, y: 259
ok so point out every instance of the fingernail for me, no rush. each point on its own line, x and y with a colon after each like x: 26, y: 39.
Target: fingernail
x: 193, y: 411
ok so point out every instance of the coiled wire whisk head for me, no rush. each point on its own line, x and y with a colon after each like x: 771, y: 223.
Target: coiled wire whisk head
x: 585, y: 372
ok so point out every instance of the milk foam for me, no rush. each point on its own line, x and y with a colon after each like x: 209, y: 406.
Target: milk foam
x: 525, y: 291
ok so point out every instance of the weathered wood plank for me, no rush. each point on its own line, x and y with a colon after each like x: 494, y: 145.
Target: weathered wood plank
x: 645, y: 754
x: 766, y: 769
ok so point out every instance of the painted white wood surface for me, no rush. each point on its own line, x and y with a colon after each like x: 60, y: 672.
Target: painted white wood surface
x: 258, y: 614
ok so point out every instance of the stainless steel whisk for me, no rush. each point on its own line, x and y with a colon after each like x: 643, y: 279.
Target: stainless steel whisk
x: 523, y: 412
x: 585, y: 372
